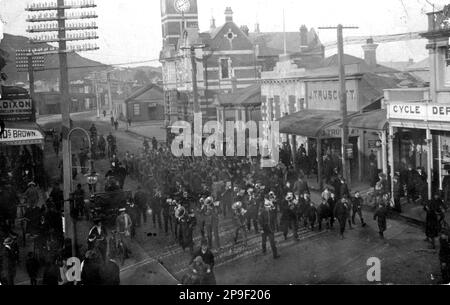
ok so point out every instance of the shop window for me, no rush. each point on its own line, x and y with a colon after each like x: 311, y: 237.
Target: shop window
x: 137, y: 109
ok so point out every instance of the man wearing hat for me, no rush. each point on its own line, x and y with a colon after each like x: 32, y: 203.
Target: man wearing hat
x: 227, y: 199
x: 341, y: 212
x: 267, y: 220
x: 239, y: 222
x: 208, y: 258
x: 97, y: 237
x: 252, y: 208
x: 288, y: 220
x: 9, y: 262
x: 32, y: 194
x: 124, y: 227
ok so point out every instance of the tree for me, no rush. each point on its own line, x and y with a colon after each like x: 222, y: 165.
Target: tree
x: 141, y: 77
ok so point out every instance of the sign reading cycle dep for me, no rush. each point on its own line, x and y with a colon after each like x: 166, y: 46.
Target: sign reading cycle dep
x: 419, y: 111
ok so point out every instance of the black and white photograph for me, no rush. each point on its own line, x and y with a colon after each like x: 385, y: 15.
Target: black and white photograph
x: 218, y: 143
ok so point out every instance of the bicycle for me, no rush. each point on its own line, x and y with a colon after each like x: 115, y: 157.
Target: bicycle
x: 117, y: 248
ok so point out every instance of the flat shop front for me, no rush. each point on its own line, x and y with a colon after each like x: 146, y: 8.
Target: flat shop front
x: 21, y: 143
x: 323, y: 130
x: 421, y: 140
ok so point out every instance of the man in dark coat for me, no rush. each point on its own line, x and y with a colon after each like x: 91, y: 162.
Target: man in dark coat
x: 157, y: 205
x: 91, y: 273
x: 9, y: 261
x: 97, y: 238
x: 252, y: 211
x: 227, y: 200
x: 301, y: 186
x: 341, y: 212
x: 357, y: 203
x: 57, y: 197
x: 110, y: 273
x: 444, y: 256
x: 323, y: 213
x: 141, y: 200
x: 32, y: 266
x: 267, y: 220
x: 208, y: 258
x: 289, y: 208
x: 432, y: 226
x: 381, y: 217
x: 332, y: 204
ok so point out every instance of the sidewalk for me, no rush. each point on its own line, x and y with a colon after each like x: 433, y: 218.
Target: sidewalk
x: 149, y: 130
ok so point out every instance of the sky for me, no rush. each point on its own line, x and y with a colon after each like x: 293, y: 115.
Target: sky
x: 130, y: 30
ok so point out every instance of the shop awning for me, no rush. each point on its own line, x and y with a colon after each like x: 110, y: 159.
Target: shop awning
x: 22, y: 133
x: 373, y: 120
x: 308, y: 123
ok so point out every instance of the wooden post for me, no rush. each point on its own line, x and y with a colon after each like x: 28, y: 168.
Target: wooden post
x: 319, y: 163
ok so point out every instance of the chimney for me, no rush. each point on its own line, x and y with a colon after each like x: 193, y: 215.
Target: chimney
x: 257, y: 30
x: 303, y: 37
x: 245, y: 29
x: 228, y: 15
x: 213, y: 23
x: 370, y: 53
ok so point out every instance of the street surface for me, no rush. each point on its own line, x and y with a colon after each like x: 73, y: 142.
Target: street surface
x: 318, y: 258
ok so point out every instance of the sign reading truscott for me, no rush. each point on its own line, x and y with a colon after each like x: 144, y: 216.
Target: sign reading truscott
x: 419, y: 111
x: 13, y: 136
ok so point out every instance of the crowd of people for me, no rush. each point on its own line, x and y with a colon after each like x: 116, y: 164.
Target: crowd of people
x: 190, y: 196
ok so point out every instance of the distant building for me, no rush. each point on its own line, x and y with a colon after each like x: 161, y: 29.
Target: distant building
x: 146, y: 104
x: 231, y: 59
x: 307, y: 103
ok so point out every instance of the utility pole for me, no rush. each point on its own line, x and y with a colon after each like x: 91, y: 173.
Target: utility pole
x: 110, y: 101
x: 192, y: 48
x: 343, y: 99
x: 56, y: 12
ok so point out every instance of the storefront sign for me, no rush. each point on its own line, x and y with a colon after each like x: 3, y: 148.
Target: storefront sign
x: 13, y: 136
x: 335, y: 132
x: 419, y: 111
x: 325, y: 95
x: 16, y: 110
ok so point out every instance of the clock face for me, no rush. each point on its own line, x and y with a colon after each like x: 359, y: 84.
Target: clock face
x: 182, y: 6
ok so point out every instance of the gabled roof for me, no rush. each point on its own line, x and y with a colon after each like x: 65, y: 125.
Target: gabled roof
x: 275, y: 41
x: 218, y: 41
x: 149, y: 92
x: 242, y: 97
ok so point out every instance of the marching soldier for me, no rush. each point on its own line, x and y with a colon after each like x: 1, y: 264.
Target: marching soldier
x: 252, y: 211
x: 267, y: 219
x: 381, y: 216
x: 341, y: 212
x: 357, y: 203
x: 240, y: 222
x: 289, y: 216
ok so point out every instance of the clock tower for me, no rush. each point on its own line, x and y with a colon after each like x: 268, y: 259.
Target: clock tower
x: 175, y: 16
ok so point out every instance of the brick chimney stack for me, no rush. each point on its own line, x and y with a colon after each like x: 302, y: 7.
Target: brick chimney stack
x: 370, y: 53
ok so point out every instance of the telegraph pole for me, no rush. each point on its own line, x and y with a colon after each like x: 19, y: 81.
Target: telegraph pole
x: 56, y: 13
x: 192, y: 48
x: 343, y: 99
